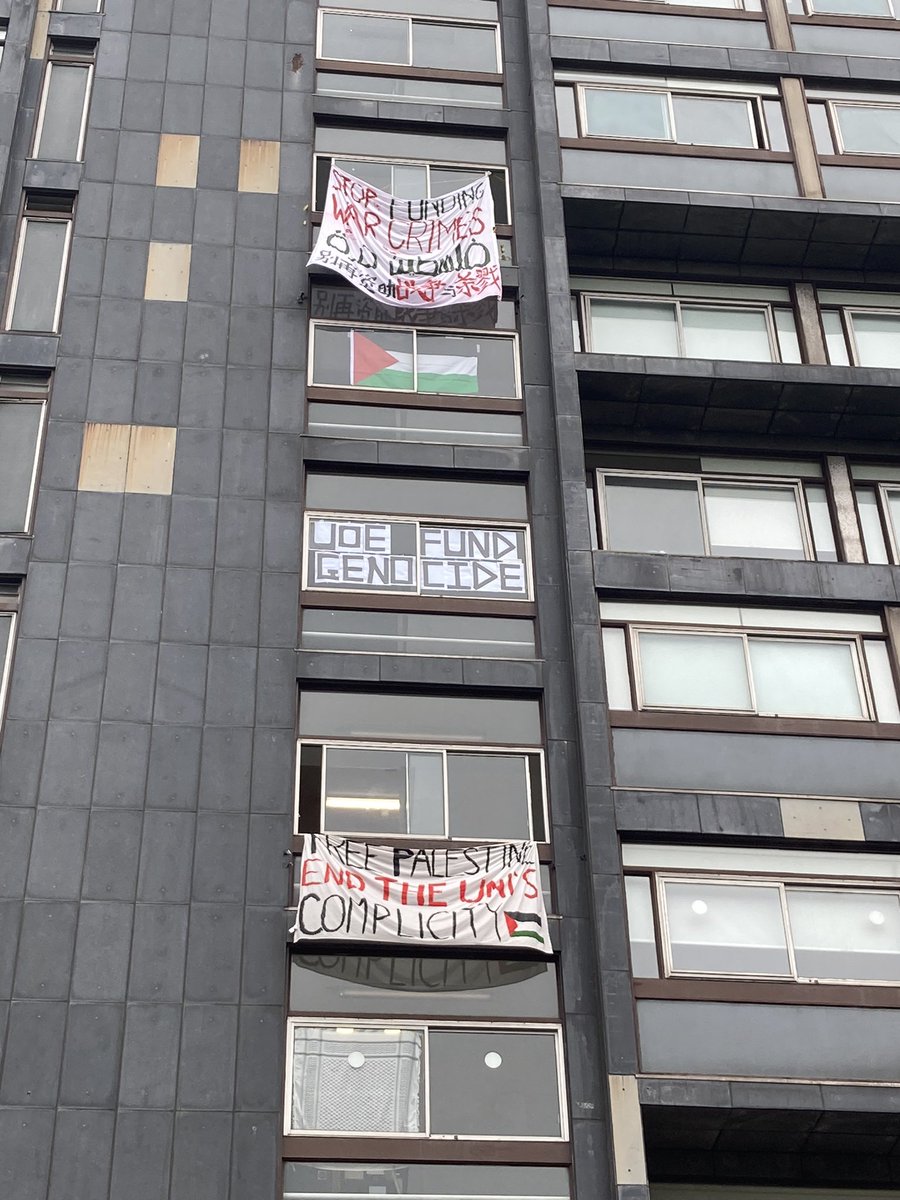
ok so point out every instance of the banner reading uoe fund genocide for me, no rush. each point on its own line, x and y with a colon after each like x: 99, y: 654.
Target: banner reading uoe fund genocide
x: 353, y: 891
x: 426, y: 253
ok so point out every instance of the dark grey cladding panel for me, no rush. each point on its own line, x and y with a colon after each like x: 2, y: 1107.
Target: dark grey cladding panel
x: 757, y: 763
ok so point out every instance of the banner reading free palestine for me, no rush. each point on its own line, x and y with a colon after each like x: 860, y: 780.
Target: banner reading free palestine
x: 427, y: 253
x: 354, y: 891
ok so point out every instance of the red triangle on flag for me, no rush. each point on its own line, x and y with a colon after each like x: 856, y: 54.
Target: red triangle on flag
x: 367, y: 358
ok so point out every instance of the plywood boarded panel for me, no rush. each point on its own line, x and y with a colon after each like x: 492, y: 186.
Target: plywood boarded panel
x: 168, y: 271
x: 628, y: 1137
x: 104, y: 458
x: 835, y: 819
x: 41, y: 23
x: 151, y: 460
x: 176, y: 163
x: 260, y: 166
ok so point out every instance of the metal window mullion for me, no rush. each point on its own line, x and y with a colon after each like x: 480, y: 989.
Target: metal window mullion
x: 788, y: 931
x: 415, y: 359
x: 445, y: 787
x: 861, y: 669
x: 82, y: 132
x: 670, y: 109
x: 892, y: 536
x: 758, y: 124
x: 42, y: 111
x: 806, y: 530
x: 850, y: 334
x: 426, y: 1078
x: 17, y: 269
x: 409, y: 42
x: 754, y: 707
x: 679, y: 327
x: 704, y: 523
x: 661, y: 912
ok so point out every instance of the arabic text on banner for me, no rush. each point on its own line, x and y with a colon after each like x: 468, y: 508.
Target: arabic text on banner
x: 427, y: 253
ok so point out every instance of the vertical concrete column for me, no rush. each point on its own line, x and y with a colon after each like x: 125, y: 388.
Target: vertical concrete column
x: 849, y: 535
x: 809, y: 327
x: 799, y: 127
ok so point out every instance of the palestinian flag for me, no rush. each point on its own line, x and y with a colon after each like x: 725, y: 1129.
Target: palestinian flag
x: 374, y: 367
x: 525, y: 925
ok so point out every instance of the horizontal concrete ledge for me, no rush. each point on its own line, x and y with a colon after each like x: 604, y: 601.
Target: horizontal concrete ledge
x: 75, y: 25
x: 54, y: 176
x: 762, y: 1094
x: 397, y: 670
x: 28, y: 350
x: 14, y: 552
x: 458, y: 116
x: 746, y: 578
x: 416, y: 455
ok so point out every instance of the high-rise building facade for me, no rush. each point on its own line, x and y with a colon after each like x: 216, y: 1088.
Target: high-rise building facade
x: 611, y: 565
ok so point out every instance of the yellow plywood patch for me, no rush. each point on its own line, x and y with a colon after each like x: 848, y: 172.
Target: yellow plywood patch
x: 176, y: 163
x: 628, y: 1137
x: 151, y: 460
x: 805, y: 818
x: 260, y: 166
x: 104, y: 458
x: 41, y: 23
x: 168, y: 271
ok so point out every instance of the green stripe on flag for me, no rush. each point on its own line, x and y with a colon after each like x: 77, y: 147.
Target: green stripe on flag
x: 456, y: 385
x: 398, y: 381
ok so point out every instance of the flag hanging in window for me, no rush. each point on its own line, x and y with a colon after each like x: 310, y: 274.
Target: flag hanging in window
x: 427, y: 253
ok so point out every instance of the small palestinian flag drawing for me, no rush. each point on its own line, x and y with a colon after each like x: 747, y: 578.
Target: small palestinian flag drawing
x: 525, y: 925
x: 373, y: 366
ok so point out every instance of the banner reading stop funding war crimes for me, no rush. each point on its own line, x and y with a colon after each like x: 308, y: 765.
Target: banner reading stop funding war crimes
x: 426, y: 253
x: 488, y: 896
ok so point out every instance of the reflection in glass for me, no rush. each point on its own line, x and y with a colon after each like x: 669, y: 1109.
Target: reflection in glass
x: 488, y: 795
x: 805, y: 678
x: 383, y: 1094
x: 692, y: 670
x: 634, y: 327
x: 731, y: 929
x: 757, y: 522
x: 469, y: 47
x: 383, y: 791
x: 845, y: 935
x: 615, y: 112
x: 709, y: 121
x: 741, y: 335
x: 655, y: 516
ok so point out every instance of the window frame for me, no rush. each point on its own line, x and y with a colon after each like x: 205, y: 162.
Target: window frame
x: 410, y: 19
x: 845, y: 314
x: 9, y: 607
x: 88, y: 62
x: 533, y: 755
x: 438, y: 1024
x: 415, y: 331
x: 817, y: 98
x: 37, y: 215
x: 746, y: 481
x: 30, y: 504
x: 659, y: 877
x: 809, y: 10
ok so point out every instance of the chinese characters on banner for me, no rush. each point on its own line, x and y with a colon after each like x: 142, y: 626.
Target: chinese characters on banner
x: 426, y: 253
x: 406, y: 556
x: 488, y: 896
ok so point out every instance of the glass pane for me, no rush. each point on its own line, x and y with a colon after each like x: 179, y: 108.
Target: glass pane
x: 374, y: 358
x: 641, y: 929
x: 845, y: 935
x: 820, y: 522
x: 893, y: 513
x: 450, y: 179
x: 881, y: 680
x: 708, y: 121
x: 444, y: 987
x: 758, y: 522
x: 853, y: 8
x: 426, y: 794
x: 877, y: 338
x: 34, y: 306
x: 20, y: 426
x: 625, y: 327
x: 66, y: 88
x: 717, y: 928
x: 484, y: 1083
x: 476, y: 10
x: 818, y: 115
x: 365, y: 39
x: 466, y: 47
x: 615, y: 661
x: 775, y: 127
x: 416, y: 633
x: 357, y: 1080
x: 425, y: 1181
x: 741, y: 335
x: 618, y: 113
x: 786, y: 332
x: 371, y: 422
x: 387, y: 494
x: 655, y: 516
x: 804, y: 679
x: 365, y: 791
x: 870, y: 523
x: 449, y: 718
x: 691, y: 670
x: 488, y: 796
x: 466, y: 366
x: 79, y: 6
x: 565, y: 112
x: 868, y: 128
x: 5, y: 634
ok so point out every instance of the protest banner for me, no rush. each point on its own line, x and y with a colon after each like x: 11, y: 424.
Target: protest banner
x: 428, y: 253
x: 484, y: 896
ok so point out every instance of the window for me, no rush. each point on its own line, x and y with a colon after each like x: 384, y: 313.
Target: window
x: 683, y: 320
x: 416, y: 558
x: 740, y: 116
x: 21, y: 427
x: 877, y: 493
x: 843, y: 8
x: 706, y: 659
x: 806, y: 931
x: 450, y: 1081
x: 408, y: 41
x: 729, y: 508
x: 79, y: 6
x: 316, y: 1181
x: 388, y: 359
x: 8, y: 607
x: 422, y: 790
x: 63, y: 110
x: 855, y: 123
x: 412, y: 180
x: 39, y: 267
x: 862, y: 329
